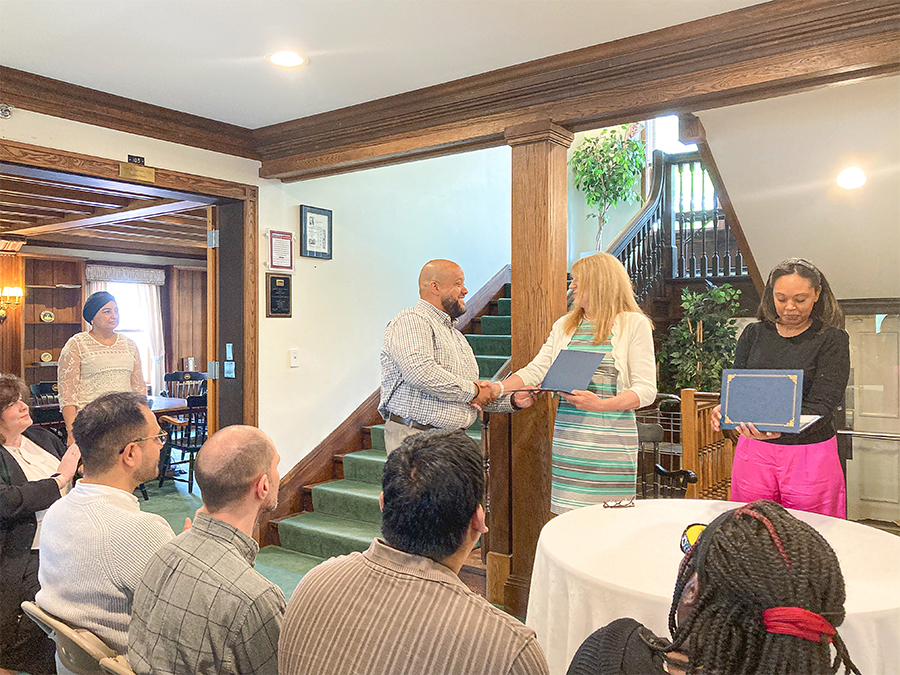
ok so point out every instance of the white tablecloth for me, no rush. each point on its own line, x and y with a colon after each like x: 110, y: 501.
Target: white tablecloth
x: 595, y: 565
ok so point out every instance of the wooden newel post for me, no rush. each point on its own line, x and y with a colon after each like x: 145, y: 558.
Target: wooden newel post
x: 538, y: 299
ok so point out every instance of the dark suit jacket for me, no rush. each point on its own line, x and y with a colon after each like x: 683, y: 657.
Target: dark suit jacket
x: 19, y: 500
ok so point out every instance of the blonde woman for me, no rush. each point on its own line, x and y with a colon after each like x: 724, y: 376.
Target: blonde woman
x: 595, y: 438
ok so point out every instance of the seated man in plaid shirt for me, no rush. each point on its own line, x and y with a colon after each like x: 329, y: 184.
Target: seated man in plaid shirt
x: 200, y: 606
x: 429, y: 376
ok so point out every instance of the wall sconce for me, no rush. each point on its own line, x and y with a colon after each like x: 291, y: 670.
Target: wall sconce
x: 11, y: 296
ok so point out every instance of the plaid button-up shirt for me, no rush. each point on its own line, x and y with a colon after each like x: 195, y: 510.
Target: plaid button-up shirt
x: 202, y: 608
x: 428, y: 370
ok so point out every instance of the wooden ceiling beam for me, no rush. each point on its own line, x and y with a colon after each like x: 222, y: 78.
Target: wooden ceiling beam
x: 9, y: 185
x: 43, y: 204
x: 125, y: 234
x: 162, y: 226
x: 37, y: 213
x: 750, y: 54
x: 757, y: 52
x: 134, y: 211
x: 123, y: 245
x: 140, y: 227
x: 61, y: 99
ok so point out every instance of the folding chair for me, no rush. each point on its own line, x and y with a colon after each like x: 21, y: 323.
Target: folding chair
x: 78, y: 649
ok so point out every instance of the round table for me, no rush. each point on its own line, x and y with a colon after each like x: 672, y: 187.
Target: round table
x: 596, y: 564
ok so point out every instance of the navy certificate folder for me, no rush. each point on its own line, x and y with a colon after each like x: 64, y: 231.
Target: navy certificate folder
x: 768, y: 399
x: 571, y: 370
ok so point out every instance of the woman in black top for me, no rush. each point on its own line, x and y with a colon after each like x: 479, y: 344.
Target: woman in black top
x: 35, y: 468
x: 800, y: 329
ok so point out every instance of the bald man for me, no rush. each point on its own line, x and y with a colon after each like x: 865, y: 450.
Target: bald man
x: 200, y: 606
x: 429, y: 376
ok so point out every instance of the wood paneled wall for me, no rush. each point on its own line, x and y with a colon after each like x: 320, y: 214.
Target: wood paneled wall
x: 12, y: 273
x: 187, y: 312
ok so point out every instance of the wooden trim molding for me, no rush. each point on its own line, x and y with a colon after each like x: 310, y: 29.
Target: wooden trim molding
x: 857, y: 306
x: 757, y: 52
x: 691, y: 131
x: 749, y: 54
x: 318, y: 465
x: 70, y: 101
x: 93, y: 169
x: 477, y: 305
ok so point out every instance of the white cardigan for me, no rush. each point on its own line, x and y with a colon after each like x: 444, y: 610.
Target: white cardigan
x: 632, y: 352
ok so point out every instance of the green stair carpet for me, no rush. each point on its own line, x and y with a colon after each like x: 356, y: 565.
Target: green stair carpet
x: 346, y: 515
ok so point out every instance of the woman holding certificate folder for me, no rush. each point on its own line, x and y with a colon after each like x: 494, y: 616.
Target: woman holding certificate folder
x: 799, y: 328
x: 595, y: 438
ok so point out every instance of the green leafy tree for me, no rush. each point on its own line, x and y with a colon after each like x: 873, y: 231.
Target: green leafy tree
x: 703, y: 342
x: 606, y: 168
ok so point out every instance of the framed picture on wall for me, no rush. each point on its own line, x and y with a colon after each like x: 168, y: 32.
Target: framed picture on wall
x: 315, y: 232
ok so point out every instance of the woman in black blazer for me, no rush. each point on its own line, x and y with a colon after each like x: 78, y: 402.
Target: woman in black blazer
x: 34, y: 468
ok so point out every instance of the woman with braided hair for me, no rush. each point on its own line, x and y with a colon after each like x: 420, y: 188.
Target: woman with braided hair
x: 759, y: 592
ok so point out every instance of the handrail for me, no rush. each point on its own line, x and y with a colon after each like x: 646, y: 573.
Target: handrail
x: 871, y: 435
x: 656, y: 193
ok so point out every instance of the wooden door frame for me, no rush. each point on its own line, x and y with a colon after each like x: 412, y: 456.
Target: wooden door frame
x: 225, y: 192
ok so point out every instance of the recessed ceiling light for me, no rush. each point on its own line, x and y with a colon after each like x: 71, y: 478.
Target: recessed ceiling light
x: 851, y: 178
x: 286, y: 59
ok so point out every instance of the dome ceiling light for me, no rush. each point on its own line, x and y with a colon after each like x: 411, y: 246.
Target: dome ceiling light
x: 286, y: 59
x: 851, y: 178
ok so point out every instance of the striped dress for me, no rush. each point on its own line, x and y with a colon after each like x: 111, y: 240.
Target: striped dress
x: 594, y: 453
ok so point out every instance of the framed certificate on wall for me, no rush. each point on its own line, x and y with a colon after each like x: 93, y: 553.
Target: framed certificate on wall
x: 315, y: 232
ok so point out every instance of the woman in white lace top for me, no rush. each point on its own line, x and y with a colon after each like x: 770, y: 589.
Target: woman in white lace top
x: 98, y: 361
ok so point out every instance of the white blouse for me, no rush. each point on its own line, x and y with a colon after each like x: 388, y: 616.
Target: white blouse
x: 37, y: 464
x: 89, y: 369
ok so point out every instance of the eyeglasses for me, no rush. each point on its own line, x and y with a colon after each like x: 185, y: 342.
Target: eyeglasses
x: 620, y: 504
x: 12, y: 403
x: 162, y: 437
x: 690, y: 536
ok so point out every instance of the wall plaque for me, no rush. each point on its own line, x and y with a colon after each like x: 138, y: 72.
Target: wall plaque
x: 278, y: 295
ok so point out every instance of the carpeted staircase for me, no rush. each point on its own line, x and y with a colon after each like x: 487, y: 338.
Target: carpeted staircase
x: 345, y: 515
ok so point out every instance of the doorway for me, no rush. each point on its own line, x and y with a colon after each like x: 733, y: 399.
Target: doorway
x: 57, y: 199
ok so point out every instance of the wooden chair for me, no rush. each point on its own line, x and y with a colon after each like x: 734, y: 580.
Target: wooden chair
x: 660, y: 482
x: 184, y: 383
x: 117, y: 666
x: 45, y: 393
x: 187, y: 433
x: 708, y: 453
x: 78, y: 649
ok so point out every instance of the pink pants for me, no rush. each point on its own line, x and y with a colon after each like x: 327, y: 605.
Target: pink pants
x: 802, y: 477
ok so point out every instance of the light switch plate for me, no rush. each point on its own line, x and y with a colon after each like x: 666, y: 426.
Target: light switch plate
x: 229, y: 369
x: 294, y: 357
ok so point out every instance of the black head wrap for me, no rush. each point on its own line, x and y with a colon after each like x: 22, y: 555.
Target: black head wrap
x: 93, y: 304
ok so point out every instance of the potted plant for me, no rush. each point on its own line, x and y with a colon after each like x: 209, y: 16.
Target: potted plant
x: 606, y: 168
x: 702, y: 343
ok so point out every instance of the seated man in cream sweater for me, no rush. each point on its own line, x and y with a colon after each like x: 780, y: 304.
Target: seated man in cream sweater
x: 95, y: 541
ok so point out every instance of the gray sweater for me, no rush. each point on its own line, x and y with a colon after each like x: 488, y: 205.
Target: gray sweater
x: 95, y: 543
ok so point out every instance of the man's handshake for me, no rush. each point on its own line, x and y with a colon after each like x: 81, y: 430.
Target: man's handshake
x: 487, y: 393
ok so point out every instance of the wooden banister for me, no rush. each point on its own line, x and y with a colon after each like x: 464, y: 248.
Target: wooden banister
x: 707, y: 453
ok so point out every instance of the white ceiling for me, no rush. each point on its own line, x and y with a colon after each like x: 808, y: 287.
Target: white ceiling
x: 779, y: 160
x: 206, y: 57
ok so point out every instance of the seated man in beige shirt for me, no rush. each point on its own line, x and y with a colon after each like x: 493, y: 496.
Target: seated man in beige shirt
x: 400, y: 607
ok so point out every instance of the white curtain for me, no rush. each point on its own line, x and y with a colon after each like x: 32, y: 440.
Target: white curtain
x: 147, y: 306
